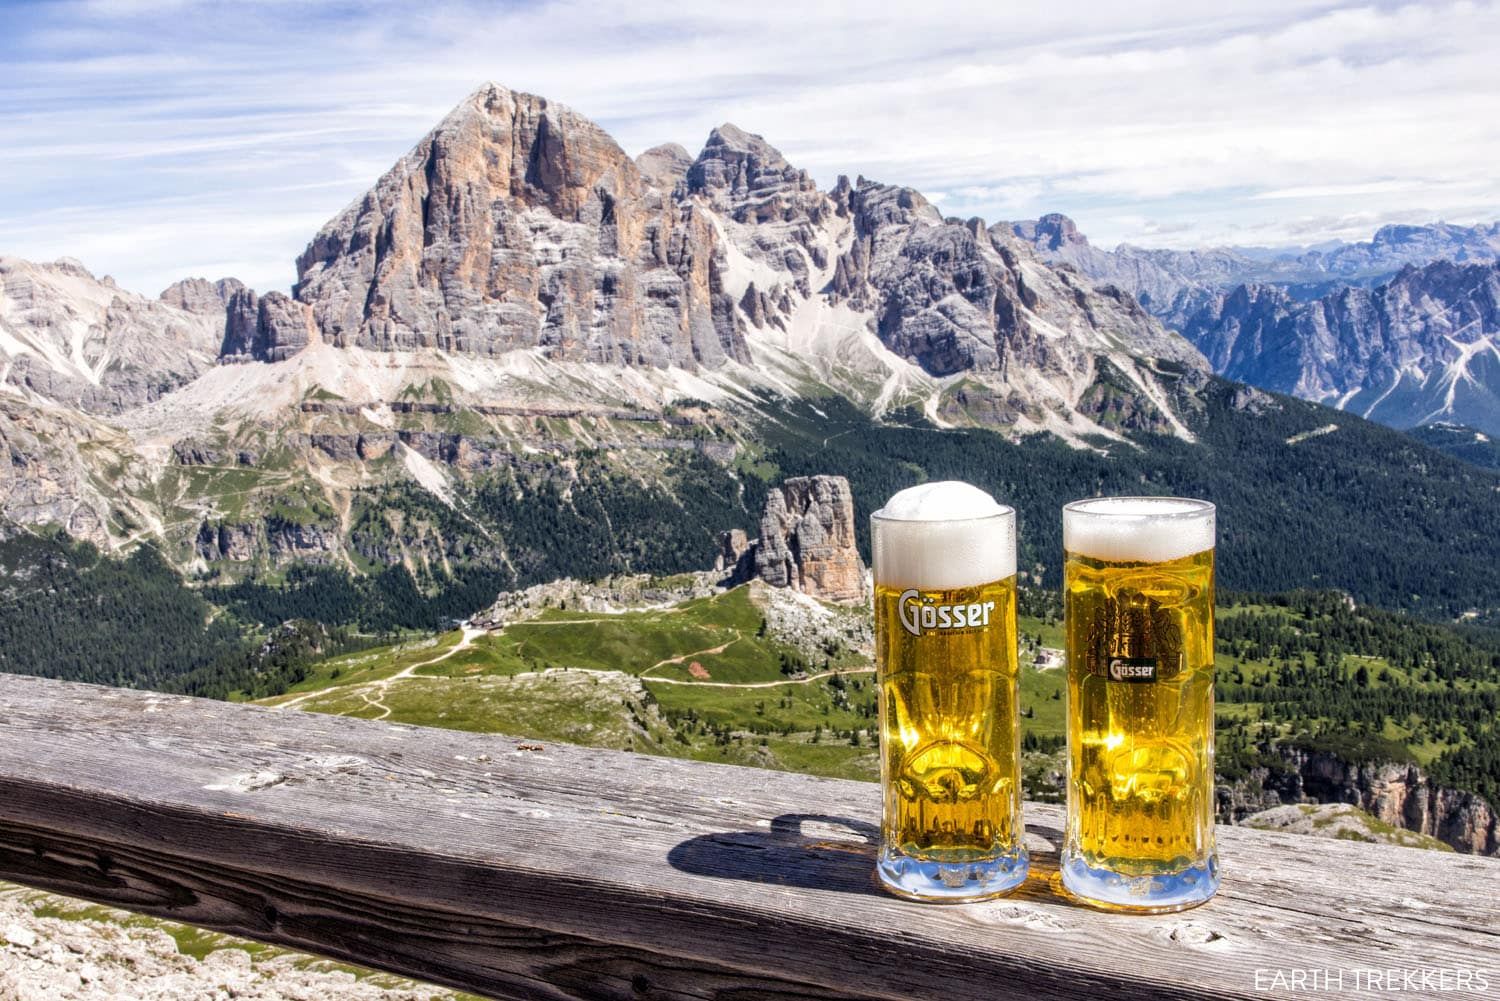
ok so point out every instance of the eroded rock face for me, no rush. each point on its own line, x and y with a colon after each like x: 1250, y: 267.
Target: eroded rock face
x: 1403, y: 796
x: 955, y: 296
x: 733, y: 545
x: 284, y: 541
x: 199, y: 295
x: 665, y: 166
x: 1342, y: 821
x: 806, y: 541
x: 517, y: 223
x: 269, y: 328
x: 1397, y: 794
x: 83, y: 342
x: 1408, y: 352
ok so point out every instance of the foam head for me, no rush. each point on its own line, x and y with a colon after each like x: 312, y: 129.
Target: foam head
x: 942, y: 536
x: 1138, y: 529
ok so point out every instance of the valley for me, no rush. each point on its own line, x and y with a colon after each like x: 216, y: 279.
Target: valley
x: 377, y: 438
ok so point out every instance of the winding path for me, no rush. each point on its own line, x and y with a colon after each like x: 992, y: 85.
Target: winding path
x: 373, y: 693
x: 761, y: 684
x: 384, y: 684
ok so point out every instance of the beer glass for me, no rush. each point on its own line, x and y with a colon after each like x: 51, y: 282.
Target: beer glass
x: 1139, y: 610
x: 945, y: 651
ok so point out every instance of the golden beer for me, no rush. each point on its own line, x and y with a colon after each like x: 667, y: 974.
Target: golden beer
x: 1138, y: 605
x: 945, y: 642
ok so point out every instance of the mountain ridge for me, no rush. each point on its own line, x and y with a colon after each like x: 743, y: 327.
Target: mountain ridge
x: 1400, y: 329
x: 519, y: 333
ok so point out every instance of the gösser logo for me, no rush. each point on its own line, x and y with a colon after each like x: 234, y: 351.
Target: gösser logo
x: 917, y: 617
x: 1132, y: 669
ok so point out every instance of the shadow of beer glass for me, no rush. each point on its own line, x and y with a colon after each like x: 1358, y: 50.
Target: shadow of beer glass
x: 806, y: 850
x: 819, y: 852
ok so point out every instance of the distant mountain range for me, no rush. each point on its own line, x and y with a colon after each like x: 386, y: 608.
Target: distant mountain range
x: 1402, y: 329
x: 524, y: 354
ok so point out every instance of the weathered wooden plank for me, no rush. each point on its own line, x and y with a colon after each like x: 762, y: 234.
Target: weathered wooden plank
x: 574, y: 873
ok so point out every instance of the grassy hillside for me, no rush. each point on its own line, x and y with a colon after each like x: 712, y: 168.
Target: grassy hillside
x: 704, y: 679
x: 701, y: 679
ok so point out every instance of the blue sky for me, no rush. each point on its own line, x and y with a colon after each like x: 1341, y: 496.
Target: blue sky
x: 155, y: 139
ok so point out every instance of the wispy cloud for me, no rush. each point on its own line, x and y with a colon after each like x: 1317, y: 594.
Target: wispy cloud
x: 158, y: 138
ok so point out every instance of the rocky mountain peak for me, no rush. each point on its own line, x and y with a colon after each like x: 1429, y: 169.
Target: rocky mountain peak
x: 1408, y: 352
x: 1051, y: 232
x: 74, y: 267
x: 518, y: 223
x: 873, y: 204
x: 199, y: 295
x: 742, y: 174
x: 953, y: 296
x: 665, y: 166
x: 81, y: 341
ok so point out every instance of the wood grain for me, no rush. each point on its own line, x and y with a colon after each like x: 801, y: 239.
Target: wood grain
x: 570, y: 873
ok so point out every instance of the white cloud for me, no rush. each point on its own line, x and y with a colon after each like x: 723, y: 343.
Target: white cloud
x: 180, y: 136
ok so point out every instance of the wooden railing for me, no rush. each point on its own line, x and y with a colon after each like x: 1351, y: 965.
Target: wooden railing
x: 518, y: 870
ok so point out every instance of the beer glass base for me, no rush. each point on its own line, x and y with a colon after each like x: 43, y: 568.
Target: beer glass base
x: 1152, y: 894
x: 950, y: 882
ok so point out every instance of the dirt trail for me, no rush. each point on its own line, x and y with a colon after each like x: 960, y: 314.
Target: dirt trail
x: 761, y: 684
x: 383, y: 685
x: 644, y: 675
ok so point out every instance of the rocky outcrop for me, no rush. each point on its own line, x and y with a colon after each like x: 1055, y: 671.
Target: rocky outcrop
x: 468, y: 453
x: 235, y: 543
x: 1397, y: 794
x: 189, y: 452
x: 733, y: 545
x: 46, y: 480
x: 1424, y: 346
x: 55, y: 948
x: 517, y: 223
x: 1053, y: 233
x: 1342, y: 821
x: 665, y: 167
x: 608, y: 595
x: 193, y: 452
x: 806, y: 542
x: 282, y: 540
x: 201, y: 296
x: 267, y: 328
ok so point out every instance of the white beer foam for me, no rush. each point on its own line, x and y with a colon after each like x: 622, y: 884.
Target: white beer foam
x: 941, y: 536
x: 1138, y: 529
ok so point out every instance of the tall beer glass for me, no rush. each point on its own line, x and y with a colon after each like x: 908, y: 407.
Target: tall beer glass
x: 1139, y: 610
x: 945, y: 650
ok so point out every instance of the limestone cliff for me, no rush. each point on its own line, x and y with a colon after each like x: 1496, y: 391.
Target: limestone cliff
x: 806, y: 542
x: 268, y: 328
x: 1395, y: 793
x: 518, y: 223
